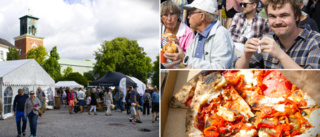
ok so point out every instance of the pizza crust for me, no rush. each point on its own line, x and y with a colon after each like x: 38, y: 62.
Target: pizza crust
x: 181, y: 97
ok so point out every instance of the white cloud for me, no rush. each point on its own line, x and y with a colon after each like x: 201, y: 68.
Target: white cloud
x: 78, y: 27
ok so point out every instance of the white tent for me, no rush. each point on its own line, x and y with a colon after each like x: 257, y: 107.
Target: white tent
x: 27, y: 75
x: 141, y: 86
x: 70, y: 84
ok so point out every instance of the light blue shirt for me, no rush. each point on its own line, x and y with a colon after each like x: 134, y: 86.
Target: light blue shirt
x: 155, y: 97
x: 202, y: 38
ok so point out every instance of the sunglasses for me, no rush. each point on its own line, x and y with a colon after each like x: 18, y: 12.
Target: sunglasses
x: 31, y: 93
x: 244, y: 4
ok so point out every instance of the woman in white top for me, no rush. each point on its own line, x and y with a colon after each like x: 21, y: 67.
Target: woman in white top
x: 108, y: 101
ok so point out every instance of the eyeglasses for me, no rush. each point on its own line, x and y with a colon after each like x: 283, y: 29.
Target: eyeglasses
x: 167, y: 15
x: 191, y: 13
x: 31, y: 93
x: 244, y: 4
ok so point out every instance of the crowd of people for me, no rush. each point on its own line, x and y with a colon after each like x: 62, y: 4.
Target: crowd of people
x: 32, y: 106
x: 265, y: 34
x: 133, y: 102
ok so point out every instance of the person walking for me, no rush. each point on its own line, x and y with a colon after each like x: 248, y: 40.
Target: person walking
x: 146, y: 102
x: 128, y: 100
x: 120, y: 100
x: 32, y: 107
x: 155, y: 104
x: 108, y: 101
x: 81, y: 96
x: 41, y: 96
x: 93, y: 102
x: 71, y: 100
x: 64, y: 98
x: 18, y: 109
x: 133, y: 99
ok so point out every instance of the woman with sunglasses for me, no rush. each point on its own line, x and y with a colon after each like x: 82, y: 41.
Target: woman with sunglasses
x: 31, y: 108
x: 171, y: 23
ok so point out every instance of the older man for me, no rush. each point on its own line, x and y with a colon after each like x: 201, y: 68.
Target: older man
x: 212, y: 47
x: 41, y: 96
x: 288, y: 46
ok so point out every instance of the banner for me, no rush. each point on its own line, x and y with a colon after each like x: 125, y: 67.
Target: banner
x: 122, y: 85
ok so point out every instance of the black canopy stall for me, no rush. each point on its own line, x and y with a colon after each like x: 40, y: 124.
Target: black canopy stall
x: 112, y: 79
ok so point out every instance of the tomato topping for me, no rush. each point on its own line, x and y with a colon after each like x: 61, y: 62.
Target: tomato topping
x: 296, y: 132
x: 288, y: 85
x: 188, y: 102
x: 260, y: 125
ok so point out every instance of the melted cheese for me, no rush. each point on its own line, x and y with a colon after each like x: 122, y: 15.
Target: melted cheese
x: 267, y: 101
x: 248, y: 78
x: 279, y: 107
x: 244, y: 133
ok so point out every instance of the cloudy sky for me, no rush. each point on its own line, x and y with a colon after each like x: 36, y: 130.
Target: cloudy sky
x: 78, y: 27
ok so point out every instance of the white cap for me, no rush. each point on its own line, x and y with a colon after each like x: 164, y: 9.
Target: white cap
x: 206, y: 5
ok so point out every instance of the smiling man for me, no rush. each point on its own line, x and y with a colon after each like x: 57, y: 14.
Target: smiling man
x: 288, y: 46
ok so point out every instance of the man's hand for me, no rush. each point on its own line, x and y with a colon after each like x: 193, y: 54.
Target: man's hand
x: 250, y: 47
x: 171, y: 64
x: 175, y: 56
x: 270, y: 46
x: 15, y: 113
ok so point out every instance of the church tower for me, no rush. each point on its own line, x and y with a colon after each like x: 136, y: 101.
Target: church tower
x: 28, y: 38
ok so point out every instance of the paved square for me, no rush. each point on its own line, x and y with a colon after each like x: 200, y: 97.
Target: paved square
x: 59, y: 123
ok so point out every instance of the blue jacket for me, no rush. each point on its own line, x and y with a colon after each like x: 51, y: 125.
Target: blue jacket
x: 18, y: 103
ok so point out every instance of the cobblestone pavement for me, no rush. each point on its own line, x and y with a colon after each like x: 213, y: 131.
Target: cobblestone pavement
x: 59, y: 123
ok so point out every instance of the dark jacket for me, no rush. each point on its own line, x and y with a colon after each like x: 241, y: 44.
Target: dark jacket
x: 93, y: 99
x: 19, y: 101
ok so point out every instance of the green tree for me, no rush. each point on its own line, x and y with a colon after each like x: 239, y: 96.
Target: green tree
x: 67, y: 71
x: 122, y: 55
x: 155, y: 73
x: 77, y: 77
x: 51, y: 65
x: 39, y: 54
x: 89, y: 76
x: 13, y: 54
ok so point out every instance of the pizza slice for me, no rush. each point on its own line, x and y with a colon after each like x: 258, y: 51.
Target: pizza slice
x: 199, y: 84
x: 220, y: 112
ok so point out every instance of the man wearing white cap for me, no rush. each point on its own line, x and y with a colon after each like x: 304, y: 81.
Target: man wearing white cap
x: 212, y: 47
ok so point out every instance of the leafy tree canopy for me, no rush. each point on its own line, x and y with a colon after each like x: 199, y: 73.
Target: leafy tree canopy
x: 122, y: 55
x: 77, y: 77
x: 155, y: 72
x: 13, y: 54
x: 38, y: 54
x: 89, y: 76
x: 51, y: 65
x: 67, y: 71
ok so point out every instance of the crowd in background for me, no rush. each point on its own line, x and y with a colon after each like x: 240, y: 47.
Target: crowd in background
x: 78, y: 98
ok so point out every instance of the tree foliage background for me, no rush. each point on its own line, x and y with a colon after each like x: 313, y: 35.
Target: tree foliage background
x: 13, y: 54
x: 122, y: 55
x: 39, y: 54
x: 155, y: 73
x: 51, y: 65
x: 67, y: 71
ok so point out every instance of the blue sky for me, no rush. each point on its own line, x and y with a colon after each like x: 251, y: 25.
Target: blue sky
x: 78, y: 27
